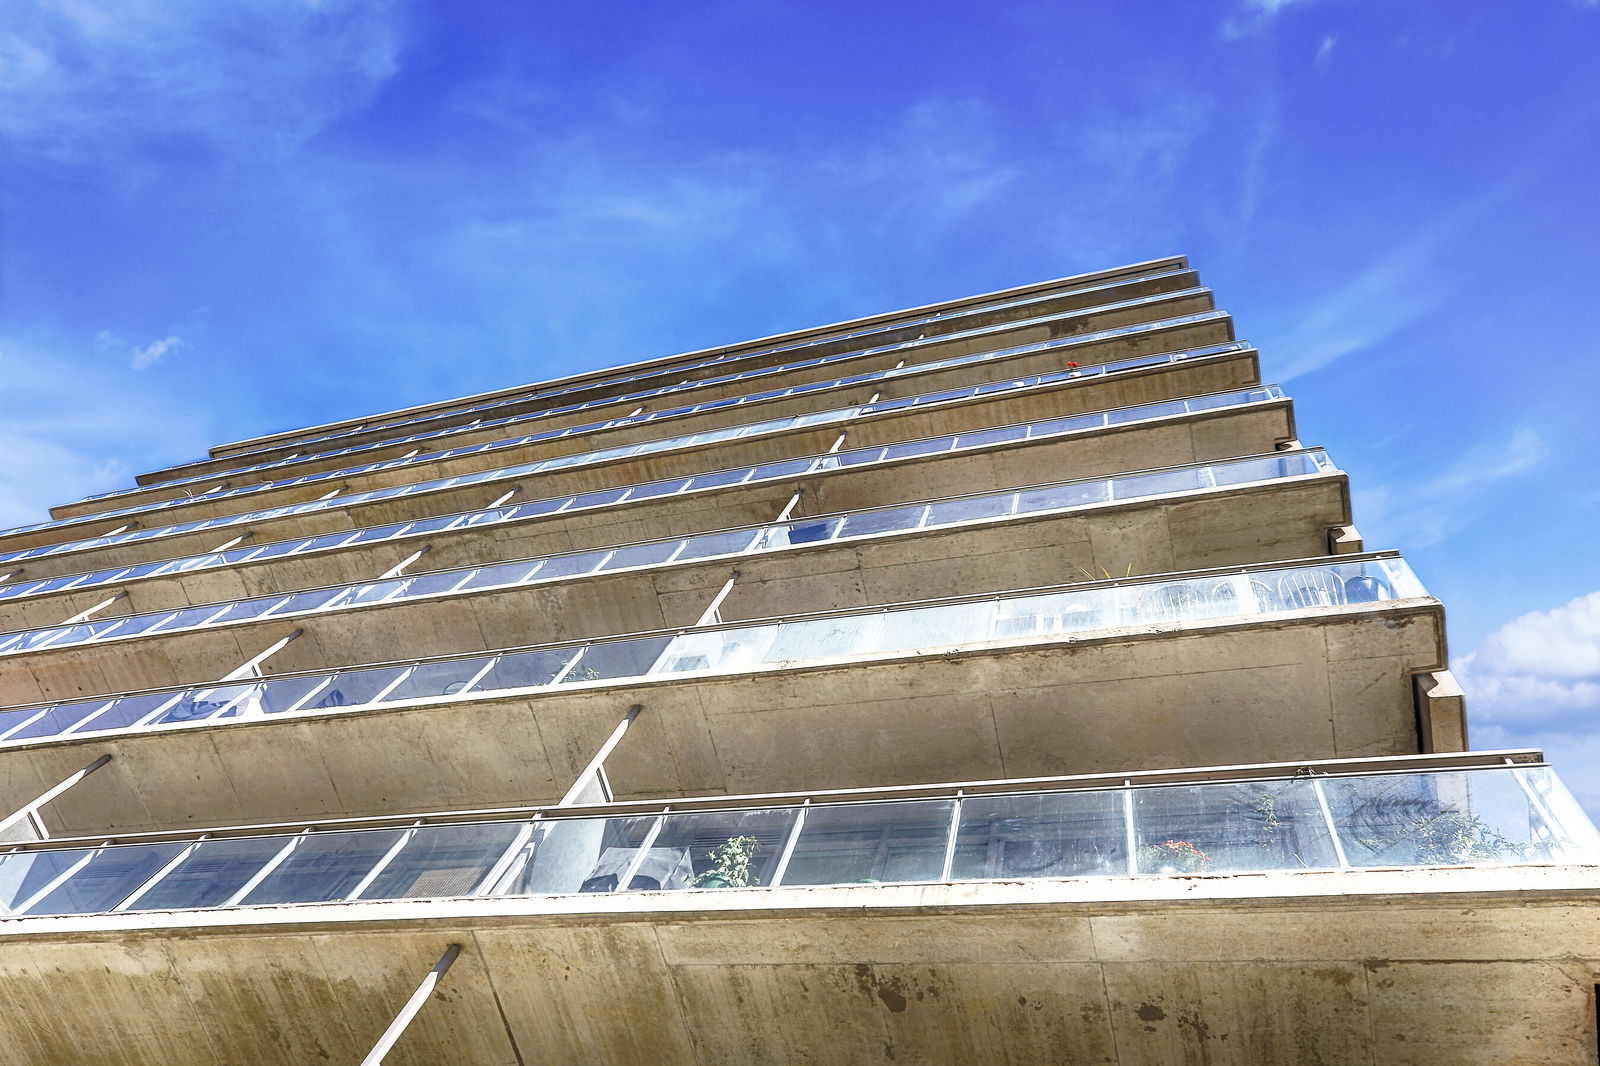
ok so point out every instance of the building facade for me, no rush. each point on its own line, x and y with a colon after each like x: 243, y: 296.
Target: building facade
x: 1001, y: 680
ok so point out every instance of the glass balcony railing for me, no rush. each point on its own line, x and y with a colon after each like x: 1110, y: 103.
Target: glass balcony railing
x: 1094, y: 490
x: 1035, y: 615
x: 734, y: 357
x: 775, y: 425
x: 780, y: 469
x: 672, y: 412
x: 746, y: 540
x: 1482, y: 816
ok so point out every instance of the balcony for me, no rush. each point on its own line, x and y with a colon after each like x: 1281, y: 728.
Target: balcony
x: 1217, y: 425
x: 1265, y: 821
x: 1039, y: 681
x: 1039, y: 943
x: 1187, y: 517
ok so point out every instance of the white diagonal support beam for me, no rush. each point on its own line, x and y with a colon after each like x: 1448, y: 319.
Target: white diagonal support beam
x: 412, y: 1007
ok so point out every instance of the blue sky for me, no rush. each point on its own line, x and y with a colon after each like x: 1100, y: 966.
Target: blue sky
x: 242, y: 215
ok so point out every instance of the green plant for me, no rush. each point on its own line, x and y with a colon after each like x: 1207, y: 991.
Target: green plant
x: 1173, y: 857
x: 730, y: 864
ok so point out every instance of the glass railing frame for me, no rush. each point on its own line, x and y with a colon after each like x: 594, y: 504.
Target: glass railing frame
x: 1269, y: 393
x: 571, y: 653
x: 1569, y: 837
x: 759, y: 535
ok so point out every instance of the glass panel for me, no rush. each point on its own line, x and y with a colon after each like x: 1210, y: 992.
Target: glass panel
x: 645, y: 554
x: 212, y: 873
x: 597, y: 499
x: 1070, y: 834
x: 1055, y: 496
x: 820, y: 637
x: 436, y: 679
x: 716, y: 544
x: 526, y: 669
x: 863, y: 523
x: 352, y: 688
x: 724, y: 649
x: 967, y: 510
x: 443, y: 860
x: 130, y: 710
x: 24, y: 873
x: 658, y: 488
x: 1128, y: 486
x: 278, y: 695
x: 1436, y: 819
x: 583, y: 855
x: 621, y: 658
x: 109, y: 878
x: 503, y: 574
x: 308, y: 601
x: 1257, y: 825
x: 428, y: 584
x: 722, y: 477
x: 955, y: 623
x: 715, y: 849
x: 869, y: 842
x: 784, y: 468
x: 59, y: 719
x: 323, y: 867
x: 805, y: 531
x: 918, y: 447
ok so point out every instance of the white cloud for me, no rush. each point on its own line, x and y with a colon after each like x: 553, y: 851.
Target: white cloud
x: 1535, y: 682
x: 150, y: 353
x: 256, y: 76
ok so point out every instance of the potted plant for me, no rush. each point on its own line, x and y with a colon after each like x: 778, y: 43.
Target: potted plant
x: 1173, y: 857
x: 730, y: 864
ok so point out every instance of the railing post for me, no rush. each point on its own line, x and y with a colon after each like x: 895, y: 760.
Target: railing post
x: 1130, y: 836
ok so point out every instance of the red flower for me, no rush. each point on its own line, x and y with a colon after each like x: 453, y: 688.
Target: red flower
x: 1072, y: 366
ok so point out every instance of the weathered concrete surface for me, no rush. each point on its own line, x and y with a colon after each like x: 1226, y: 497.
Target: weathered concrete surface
x: 1335, y: 683
x: 1249, y: 524
x: 1420, y: 968
x: 598, y: 381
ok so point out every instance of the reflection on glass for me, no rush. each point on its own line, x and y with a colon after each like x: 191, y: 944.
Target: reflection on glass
x: 1071, y: 834
x: 869, y: 842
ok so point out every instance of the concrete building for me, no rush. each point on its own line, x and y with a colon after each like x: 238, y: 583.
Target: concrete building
x: 1001, y: 680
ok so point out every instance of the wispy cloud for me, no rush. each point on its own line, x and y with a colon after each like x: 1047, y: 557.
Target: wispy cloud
x: 1325, y: 51
x: 1255, y: 15
x: 84, y: 423
x: 1426, y: 511
x: 85, y: 76
x: 139, y: 356
x: 152, y: 352
x: 1535, y: 681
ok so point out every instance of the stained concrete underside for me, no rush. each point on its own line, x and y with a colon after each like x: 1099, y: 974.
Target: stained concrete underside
x: 1330, y: 683
x: 1415, y: 968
